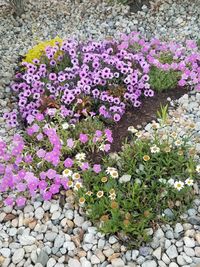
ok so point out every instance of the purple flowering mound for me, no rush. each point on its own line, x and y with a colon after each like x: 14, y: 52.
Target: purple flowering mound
x: 100, y: 78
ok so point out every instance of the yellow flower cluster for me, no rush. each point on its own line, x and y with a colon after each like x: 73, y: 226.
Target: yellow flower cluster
x: 38, y: 50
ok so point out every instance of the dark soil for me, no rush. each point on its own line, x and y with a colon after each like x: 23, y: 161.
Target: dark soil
x: 142, y: 115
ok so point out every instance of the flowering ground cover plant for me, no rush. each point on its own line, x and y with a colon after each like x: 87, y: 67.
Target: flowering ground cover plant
x: 101, y: 77
x: 154, y: 171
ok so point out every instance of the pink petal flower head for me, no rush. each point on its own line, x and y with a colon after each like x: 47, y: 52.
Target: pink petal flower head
x: 83, y: 138
x: 68, y: 163
x: 85, y: 166
x: 70, y: 142
x: 9, y: 201
x: 21, y: 201
x: 47, y: 195
x: 116, y: 117
x: 97, y: 168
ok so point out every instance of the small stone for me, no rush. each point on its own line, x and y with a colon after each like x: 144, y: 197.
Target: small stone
x: 55, y: 215
x: 74, y: 263
x: 69, y: 214
x: 85, y: 263
x: 149, y: 263
x: 59, y: 241
x: 43, y: 258
x: 18, y: 255
x: 51, y: 262
x: 172, y: 252
x: 197, y: 237
x: 169, y: 234
x: 50, y: 236
x: 95, y: 260
x: 39, y: 213
x: 180, y: 260
x: 173, y: 264
x: 5, y: 252
x: 197, y: 251
x: 178, y: 228
x: 101, y: 243
x: 159, y: 234
x: 189, y: 251
x: 112, y: 240
x: 54, y: 207
x: 78, y: 220
x: 165, y: 258
x: 194, y: 220
x: 69, y: 245
x: 135, y: 254
x: 189, y: 242
x: 108, y: 252
x: 26, y: 240
x: 157, y: 253
x: 169, y: 213
x: 117, y: 262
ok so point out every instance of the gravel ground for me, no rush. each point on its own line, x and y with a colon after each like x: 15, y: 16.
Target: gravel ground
x: 43, y: 234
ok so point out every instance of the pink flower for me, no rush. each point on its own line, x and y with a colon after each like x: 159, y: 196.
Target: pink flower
x: 83, y: 138
x: 106, y: 147
x: 47, y: 195
x: 9, y: 201
x: 70, y: 142
x: 85, y: 166
x: 20, y: 201
x: 97, y: 168
x: 41, y: 153
x: 68, y: 163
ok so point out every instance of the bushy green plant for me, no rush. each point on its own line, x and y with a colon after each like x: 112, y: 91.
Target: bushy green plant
x: 161, y: 80
x: 149, y: 175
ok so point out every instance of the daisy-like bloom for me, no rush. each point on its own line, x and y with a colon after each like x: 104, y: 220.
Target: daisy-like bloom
x: 138, y: 134
x: 110, y: 169
x: 146, y: 158
x: 89, y: 193
x: 70, y: 184
x: 104, y: 218
x: 171, y: 182
x: 178, y: 185
x: 100, y: 194
x: 189, y: 182
x: 76, y: 176
x: 77, y: 186
x: 155, y: 149
x: 81, y: 200
x: 112, y: 196
x: 112, y: 191
x: 132, y: 129
x: 65, y: 126
x: 180, y: 152
x: 178, y: 143
x: 198, y: 168
x: 67, y: 173
x: 114, y: 174
x: 104, y: 179
x: 80, y: 156
x: 155, y: 126
x: 114, y: 205
x: 167, y: 149
x: 173, y: 135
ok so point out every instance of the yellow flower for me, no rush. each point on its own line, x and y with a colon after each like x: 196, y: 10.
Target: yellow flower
x: 146, y: 158
x: 89, y: 193
x: 76, y: 176
x: 38, y: 50
x: 100, y: 194
x: 104, y: 179
x: 178, y: 142
x: 173, y: 135
x: 81, y: 200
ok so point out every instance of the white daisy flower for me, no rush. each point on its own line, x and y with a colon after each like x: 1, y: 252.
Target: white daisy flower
x: 80, y: 156
x: 178, y: 185
x: 77, y: 186
x: 67, y: 173
x: 132, y: 129
x: 76, y: 176
x: 110, y: 169
x: 114, y: 174
x: 155, y: 149
x: 198, y: 168
x: 189, y: 182
x: 65, y: 126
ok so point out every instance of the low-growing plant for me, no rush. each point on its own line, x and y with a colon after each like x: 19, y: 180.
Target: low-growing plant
x: 152, y: 173
x: 163, y: 113
x: 18, y: 6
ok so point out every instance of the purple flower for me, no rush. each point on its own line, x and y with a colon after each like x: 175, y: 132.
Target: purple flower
x: 83, y: 138
x: 97, y: 168
x: 70, y: 142
x: 21, y: 201
x: 68, y: 163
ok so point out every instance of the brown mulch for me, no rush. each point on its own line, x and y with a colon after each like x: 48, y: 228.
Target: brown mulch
x: 142, y: 115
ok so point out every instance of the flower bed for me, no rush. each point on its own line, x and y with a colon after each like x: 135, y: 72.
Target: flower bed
x: 69, y: 94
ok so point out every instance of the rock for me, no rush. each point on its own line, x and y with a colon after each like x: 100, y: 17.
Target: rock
x: 56, y: 215
x: 18, y: 255
x: 94, y: 259
x: 5, y: 252
x: 135, y: 254
x: 50, y: 236
x: 189, y: 242
x: 169, y: 234
x: 112, y: 240
x: 26, y: 240
x: 157, y: 253
x: 101, y: 243
x: 180, y: 260
x: 172, y: 252
x: 144, y: 251
x: 159, y: 234
x: 43, y: 257
x: 78, y: 220
x: 195, y: 220
x: 169, y: 213
x: 149, y: 263
x: 108, y: 252
x: 89, y: 238
x: 39, y: 213
x: 189, y: 251
x: 54, y: 207
x: 74, y: 263
x: 178, y: 228
x: 69, y: 214
x: 69, y: 245
x: 59, y: 241
x: 173, y: 264
x: 197, y: 237
x: 117, y: 262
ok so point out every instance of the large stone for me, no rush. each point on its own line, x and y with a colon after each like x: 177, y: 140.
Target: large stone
x: 26, y: 240
x: 18, y: 255
x: 172, y: 252
x: 157, y: 253
x: 43, y: 257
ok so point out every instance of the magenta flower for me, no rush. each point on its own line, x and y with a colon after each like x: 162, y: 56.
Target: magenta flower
x: 21, y: 201
x: 85, y: 166
x: 9, y: 201
x: 83, y: 138
x: 97, y: 168
x: 68, y: 163
x: 70, y: 142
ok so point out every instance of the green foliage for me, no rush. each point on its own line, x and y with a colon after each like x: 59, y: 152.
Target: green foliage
x: 198, y: 43
x: 162, y: 114
x: 149, y: 170
x: 161, y: 80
